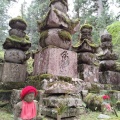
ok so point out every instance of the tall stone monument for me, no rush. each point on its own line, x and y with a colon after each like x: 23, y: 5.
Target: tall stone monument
x: 86, y: 49
x: 109, y: 69
x: 56, y: 60
x: 15, y: 46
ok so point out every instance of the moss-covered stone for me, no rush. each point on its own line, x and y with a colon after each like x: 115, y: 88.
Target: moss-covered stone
x: 43, y: 35
x: 94, y: 88
x: 12, y: 85
x: 18, y: 39
x: 5, y: 95
x: 118, y: 105
x: 18, y: 18
x: 88, y: 26
x: 93, y: 101
x: 71, y: 23
x: 40, y: 77
x: 43, y: 23
x: 66, y: 79
x: 64, y: 35
x: 91, y: 44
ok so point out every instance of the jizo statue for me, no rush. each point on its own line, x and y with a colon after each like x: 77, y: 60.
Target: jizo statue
x: 27, y: 108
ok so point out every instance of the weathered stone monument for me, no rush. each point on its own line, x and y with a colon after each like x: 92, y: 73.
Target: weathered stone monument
x: 109, y: 69
x: 86, y: 49
x: 16, y: 45
x: 56, y: 60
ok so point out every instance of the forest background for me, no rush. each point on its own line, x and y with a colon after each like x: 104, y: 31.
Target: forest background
x: 101, y: 14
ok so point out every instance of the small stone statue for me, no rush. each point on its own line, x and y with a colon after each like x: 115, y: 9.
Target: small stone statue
x: 28, y: 107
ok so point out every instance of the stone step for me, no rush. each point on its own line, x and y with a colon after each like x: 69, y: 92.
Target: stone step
x: 54, y: 101
x: 69, y: 112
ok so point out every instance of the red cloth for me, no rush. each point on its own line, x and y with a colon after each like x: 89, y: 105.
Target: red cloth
x: 26, y: 90
x: 105, y: 97
x: 28, y: 110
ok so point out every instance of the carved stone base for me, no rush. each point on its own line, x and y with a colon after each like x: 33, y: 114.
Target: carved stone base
x: 88, y: 73
x: 14, y: 72
x: 54, y: 101
x: 70, y: 112
x: 109, y: 77
x: 56, y: 61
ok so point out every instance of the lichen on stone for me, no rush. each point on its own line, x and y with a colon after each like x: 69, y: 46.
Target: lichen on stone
x: 45, y: 76
x: 64, y: 35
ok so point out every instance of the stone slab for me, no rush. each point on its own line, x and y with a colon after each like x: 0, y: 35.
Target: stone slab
x: 54, y: 101
x: 60, y: 87
x: 109, y: 77
x: 13, y: 72
x: 88, y: 73
x: 70, y: 112
x: 56, y: 61
x: 1, y: 70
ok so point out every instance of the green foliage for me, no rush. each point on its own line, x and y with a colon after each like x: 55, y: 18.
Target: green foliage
x: 114, y: 30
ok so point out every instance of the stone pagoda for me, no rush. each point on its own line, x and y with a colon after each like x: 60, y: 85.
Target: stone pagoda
x: 86, y: 49
x: 16, y: 46
x: 109, y: 72
x: 57, y: 65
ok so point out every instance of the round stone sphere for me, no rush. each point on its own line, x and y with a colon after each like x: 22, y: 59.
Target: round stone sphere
x: 15, y: 56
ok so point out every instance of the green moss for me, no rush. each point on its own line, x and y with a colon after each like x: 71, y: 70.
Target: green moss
x: 66, y: 79
x: 91, y: 44
x: 117, y: 67
x: 114, y: 30
x: 94, y: 88
x: 18, y: 39
x: 93, y: 101
x: 18, y: 18
x: 88, y: 26
x: 43, y: 35
x: 12, y: 85
x: 64, y: 35
x: 45, y: 76
x: 33, y: 78
x: 118, y: 105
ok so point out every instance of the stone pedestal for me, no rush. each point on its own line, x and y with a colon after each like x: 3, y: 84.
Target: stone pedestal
x: 13, y: 72
x: 89, y: 73
x: 56, y: 61
x: 109, y: 77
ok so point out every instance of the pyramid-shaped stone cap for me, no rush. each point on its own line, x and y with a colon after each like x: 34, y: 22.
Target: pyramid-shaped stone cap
x: 17, y: 42
x: 85, y: 46
x: 57, y: 19
x: 61, y: 5
x: 18, y: 23
x: 60, y: 87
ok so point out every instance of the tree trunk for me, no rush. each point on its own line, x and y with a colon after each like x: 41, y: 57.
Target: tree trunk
x: 100, y: 8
